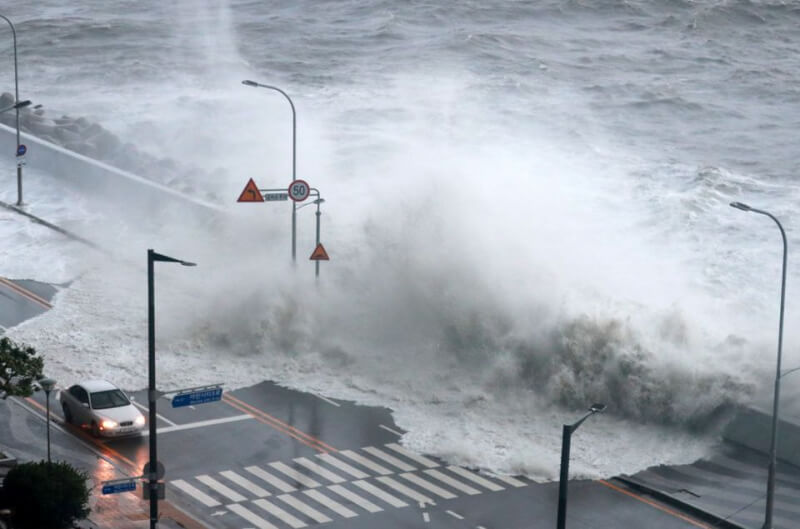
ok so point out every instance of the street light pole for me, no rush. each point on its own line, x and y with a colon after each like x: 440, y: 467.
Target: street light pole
x: 152, y: 395
x: 316, y: 263
x: 247, y: 82
x: 16, y: 99
x: 563, y: 479
x: 47, y: 385
x: 773, y: 447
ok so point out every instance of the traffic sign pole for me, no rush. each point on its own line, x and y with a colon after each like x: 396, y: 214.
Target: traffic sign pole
x: 298, y: 192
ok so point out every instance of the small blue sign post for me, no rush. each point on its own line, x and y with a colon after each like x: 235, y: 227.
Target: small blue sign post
x: 120, y: 486
x: 21, y: 150
x: 197, y: 397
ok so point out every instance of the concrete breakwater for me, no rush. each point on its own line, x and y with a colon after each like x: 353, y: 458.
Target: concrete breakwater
x: 92, y: 140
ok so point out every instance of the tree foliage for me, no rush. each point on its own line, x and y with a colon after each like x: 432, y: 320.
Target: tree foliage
x: 19, y: 368
x: 45, y: 495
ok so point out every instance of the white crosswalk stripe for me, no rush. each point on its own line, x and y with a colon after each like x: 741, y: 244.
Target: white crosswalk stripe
x: 355, y: 498
x: 363, y: 461
x: 244, y: 483
x: 442, y: 493
x: 333, y: 505
x: 341, y: 465
x: 250, y: 516
x: 424, y: 461
x: 277, y: 512
x: 295, y: 475
x: 269, y: 478
x: 475, y: 478
x: 324, y: 472
x: 511, y: 481
x: 219, y: 487
x: 402, y: 489
x: 463, y: 487
x: 405, y: 467
x: 309, y: 511
x: 378, y: 493
x: 199, y: 495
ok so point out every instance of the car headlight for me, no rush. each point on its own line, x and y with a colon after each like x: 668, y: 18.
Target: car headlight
x: 108, y: 424
x: 139, y: 420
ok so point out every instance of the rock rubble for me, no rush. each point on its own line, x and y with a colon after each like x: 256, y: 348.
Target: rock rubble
x: 92, y: 140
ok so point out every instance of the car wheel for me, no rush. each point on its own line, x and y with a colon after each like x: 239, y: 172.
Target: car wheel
x: 67, y: 414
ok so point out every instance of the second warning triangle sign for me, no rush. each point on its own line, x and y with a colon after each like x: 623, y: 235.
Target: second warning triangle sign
x: 319, y: 254
x: 251, y: 193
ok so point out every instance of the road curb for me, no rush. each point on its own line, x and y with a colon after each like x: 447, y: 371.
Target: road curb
x: 707, y: 516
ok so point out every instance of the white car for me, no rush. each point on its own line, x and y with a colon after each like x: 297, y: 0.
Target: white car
x: 101, y: 407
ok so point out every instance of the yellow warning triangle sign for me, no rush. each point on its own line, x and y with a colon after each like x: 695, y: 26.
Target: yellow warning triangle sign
x: 251, y: 193
x: 319, y: 254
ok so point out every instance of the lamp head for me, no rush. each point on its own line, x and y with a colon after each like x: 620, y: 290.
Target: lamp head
x: 47, y: 384
x: 739, y: 205
x: 22, y: 104
x: 597, y: 407
x: 248, y: 82
x: 187, y: 263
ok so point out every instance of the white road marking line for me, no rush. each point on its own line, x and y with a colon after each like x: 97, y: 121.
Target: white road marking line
x: 199, y: 495
x: 511, y: 481
x: 251, y: 517
x: 295, y: 475
x: 277, y: 512
x: 426, y: 517
x: 147, y: 410
x: 375, y: 491
x: 329, y: 401
x: 398, y: 434
x: 455, y: 515
x: 269, y: 478
x: 402, y: 489
x: 361, y: 460
x: 452, y: 482
x: 309, y: 511
x: 199, y: 424
x: 355, y: 498
x: 389, y: 459
x: 219, y: 487
x: 442, y: 493
x: 475, y: 478
x: 411, y: 455
x: 325, y: 473
x: 244, y: 483
x: 335, y: 506
x: 341, y: 465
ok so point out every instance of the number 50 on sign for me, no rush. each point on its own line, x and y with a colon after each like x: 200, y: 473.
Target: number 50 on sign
x: 299, y: 190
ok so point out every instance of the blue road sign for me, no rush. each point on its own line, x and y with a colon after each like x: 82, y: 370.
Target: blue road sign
x: 21, y: 150
x: 125, y: 486
x: 197, y: 397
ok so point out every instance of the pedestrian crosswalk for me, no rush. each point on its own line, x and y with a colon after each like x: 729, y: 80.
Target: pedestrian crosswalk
x: 307, y: 491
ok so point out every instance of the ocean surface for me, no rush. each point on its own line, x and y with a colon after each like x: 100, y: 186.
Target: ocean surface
x: 526, y: 208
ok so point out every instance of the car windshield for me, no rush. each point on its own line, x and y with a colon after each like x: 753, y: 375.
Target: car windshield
x: 108, y: 399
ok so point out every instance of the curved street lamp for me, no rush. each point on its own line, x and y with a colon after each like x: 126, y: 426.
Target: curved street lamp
x: 17, y: 107
x: 247, y: 82
x: 773, y: 447
x: 152, y: 393
x: 563, y: 480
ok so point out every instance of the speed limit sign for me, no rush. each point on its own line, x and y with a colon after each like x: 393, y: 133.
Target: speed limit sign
x: 299, y: 190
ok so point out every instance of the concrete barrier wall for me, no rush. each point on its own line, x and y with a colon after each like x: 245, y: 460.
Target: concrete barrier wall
x: 753, y: 428
x: 123, y: 190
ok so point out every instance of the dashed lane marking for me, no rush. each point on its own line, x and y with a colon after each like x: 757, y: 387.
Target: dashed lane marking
x: 390, y: 430
x: 355, y: 498
x: 333, y: 505
x: 277, y: 512
x: 302, y: 479
x: 325, y: 473
x: 363, y: 461
x: 341, y: 465
x: 424, y: 461
x: 309, y: 511
x: 269, y: 478
x: 475, y: 478
x: 250, y: 516
x: 452, y: 482
x: 405, y: 467
x: 378, y: 493
x: 244, y: 483
x: 226, y: 491
x: 442, y: 493
x: 195, y: 493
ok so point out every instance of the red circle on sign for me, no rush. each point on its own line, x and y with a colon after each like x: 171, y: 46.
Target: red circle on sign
x: 299, y: 190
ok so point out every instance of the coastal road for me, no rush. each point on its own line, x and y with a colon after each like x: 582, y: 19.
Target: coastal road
x: 268, y: 457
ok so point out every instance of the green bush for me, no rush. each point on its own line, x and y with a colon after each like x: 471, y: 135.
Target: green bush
x: 45, y: 496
